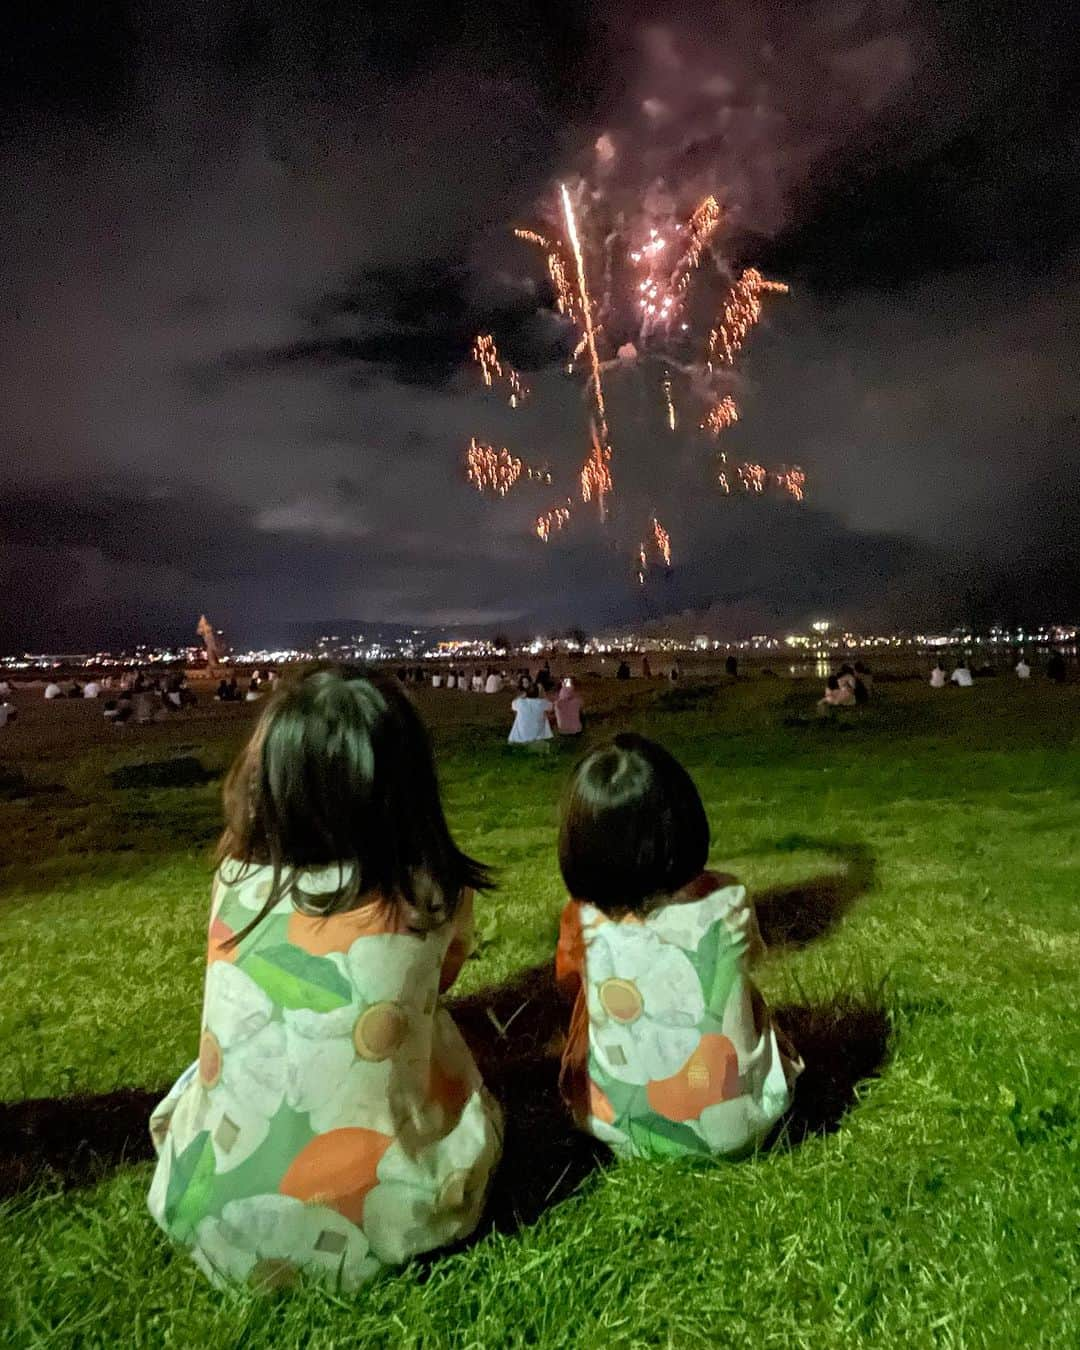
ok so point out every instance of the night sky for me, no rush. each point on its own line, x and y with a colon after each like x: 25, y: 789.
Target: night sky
x: 247, y: 245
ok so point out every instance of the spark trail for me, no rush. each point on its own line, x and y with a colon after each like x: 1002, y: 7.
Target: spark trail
x: 590, y: 333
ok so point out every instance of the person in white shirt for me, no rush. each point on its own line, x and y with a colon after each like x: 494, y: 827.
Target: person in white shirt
x: 436, y: 681
x: 532, y: 718
x: 1023, y: 670
x: 7, y: 713
x: 961, y: 676
x: 493, y: 684
x: 478, y: 681
x: 937, y: 676
x: 53, y: 690
x: 5, y: 689
x: 91, y: 689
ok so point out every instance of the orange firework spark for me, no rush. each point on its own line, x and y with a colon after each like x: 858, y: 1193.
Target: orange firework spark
x: 486, y: 356
x: 792, y: 481
x: 596, y: 473
x: 491, y: 470
x: 701, y: 227
x: 643, y: 565
x: 564, y: 297
x: 555, y: 519
x: 741, y: 312
x: 670, y: 405
x: 663, y: 541
x: 723, y: 414
x: 586, y: 312
x: 753, y: 477
x: 722, y: 478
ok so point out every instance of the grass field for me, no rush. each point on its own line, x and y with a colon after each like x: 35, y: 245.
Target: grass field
x: 917, y: 867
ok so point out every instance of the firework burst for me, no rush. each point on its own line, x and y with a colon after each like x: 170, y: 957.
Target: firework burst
x: 660, y: 277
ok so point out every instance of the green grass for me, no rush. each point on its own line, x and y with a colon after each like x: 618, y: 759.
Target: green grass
x: 933, y: 845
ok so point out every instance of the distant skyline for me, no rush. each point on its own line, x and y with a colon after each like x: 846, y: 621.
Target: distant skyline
x: 246, y: 249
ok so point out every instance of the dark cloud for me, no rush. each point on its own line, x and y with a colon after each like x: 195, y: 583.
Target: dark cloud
x: 248, y: 245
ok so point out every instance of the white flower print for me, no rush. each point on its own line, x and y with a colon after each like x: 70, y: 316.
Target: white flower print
x: 241, y: 1065
x: 267, y: 1241
x: 342, y: 1063
x: 645, y: 1002
x: 434, y: 1196
x: 684, y: 925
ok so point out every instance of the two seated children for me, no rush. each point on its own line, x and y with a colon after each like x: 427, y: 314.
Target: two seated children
x: 335, y: 1122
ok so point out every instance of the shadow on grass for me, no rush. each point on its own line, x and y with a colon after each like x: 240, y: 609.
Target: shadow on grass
x: 800, y: 913
x: 516, y: 1032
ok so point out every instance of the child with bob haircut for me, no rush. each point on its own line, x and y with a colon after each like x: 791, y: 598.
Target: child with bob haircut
x: 334, y: 1121
x: 671, y: 1049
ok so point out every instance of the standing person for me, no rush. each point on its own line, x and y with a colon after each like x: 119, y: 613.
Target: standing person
x: 731, y: 666
x: 676, y: 672
x: 961, y: 676
x: 937, y: 676
x: 1023, y: 670
x: 334, y: 1121
x: 646, y: 668
x: 623, y: 672
x: 671, y: 1049
x: 568, y: 709
x: 532, y: 718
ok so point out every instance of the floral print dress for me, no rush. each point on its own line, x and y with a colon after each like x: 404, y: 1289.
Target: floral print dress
x: 334, y: 1121
x: 671, y: 1048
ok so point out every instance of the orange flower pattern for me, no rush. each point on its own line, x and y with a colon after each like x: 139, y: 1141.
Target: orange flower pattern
x: 334, y: 1121
x: 671, y: 1049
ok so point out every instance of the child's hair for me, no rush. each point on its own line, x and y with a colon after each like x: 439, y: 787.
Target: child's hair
x: 833, y: 682
x: 340, y: 770
x: 633, y: 829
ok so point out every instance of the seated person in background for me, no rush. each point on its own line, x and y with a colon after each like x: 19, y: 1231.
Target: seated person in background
x: 532, y: 718
x: 53, y: 690
x: 837, y: 694
x: 1055, y: 668
x: 937, y: 676
x: 5, y: 689
x: 568, y: 709
x: 961, y: 676
x: 862, y: 672
x: 846, y: 676
x: 451, y: 679
x: 74, y: 690
x: 222, y: 694
x: 252, y: 695
x: 671, y: 1049
x: 493, y: 684
x: 478, y: 681
x: 731, y: 666
x: 91, y: 689
x: 8, y: 712
x: 623, y: 672
x: 118, y: 710
x: 1023, y: 670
